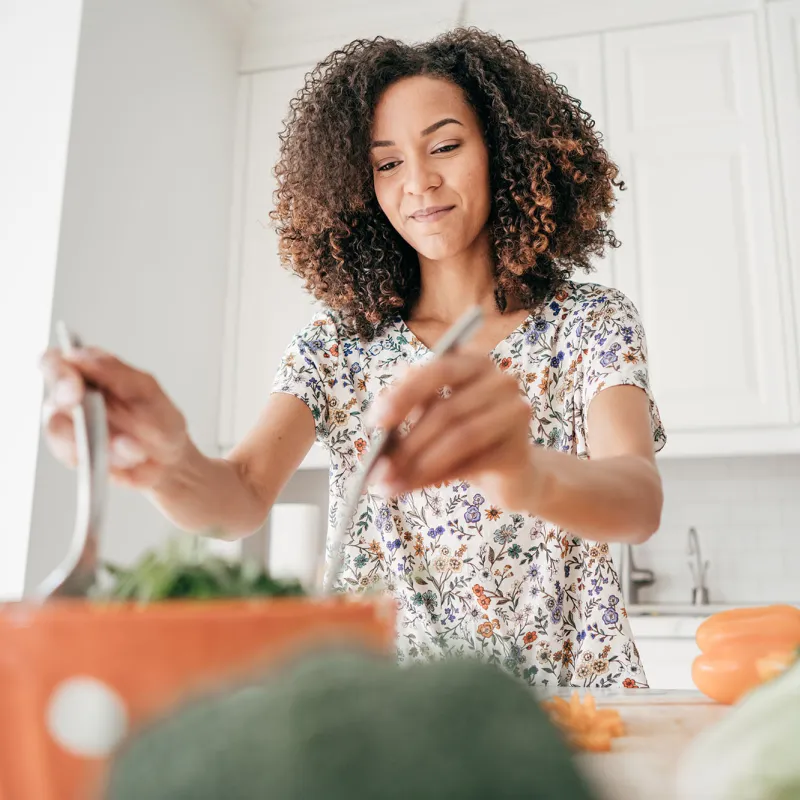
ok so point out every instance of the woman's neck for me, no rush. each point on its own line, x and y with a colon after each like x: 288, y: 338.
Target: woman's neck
x: 449, y: 287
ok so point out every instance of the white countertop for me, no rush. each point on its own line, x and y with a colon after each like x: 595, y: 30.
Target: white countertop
x: 696, y: 610
x: 619, y: 696
x: 679, y: 609
x: 659, y: 725
x: 674, y: 620
x: 668, y: 627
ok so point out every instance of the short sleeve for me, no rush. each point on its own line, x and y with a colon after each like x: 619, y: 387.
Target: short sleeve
x: 308, y: 370
x: 615, y: 353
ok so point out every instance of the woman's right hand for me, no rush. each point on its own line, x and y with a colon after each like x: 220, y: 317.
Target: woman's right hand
x: 147, y: 432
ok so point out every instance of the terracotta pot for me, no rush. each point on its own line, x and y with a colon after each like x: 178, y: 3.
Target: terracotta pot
x: 75, y: 676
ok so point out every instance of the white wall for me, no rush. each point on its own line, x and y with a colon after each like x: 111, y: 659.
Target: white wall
x: 38, y: 53
x: 142, y: 256
x: 747, y: 514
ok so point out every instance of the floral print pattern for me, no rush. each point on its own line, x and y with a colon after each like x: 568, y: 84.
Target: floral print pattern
x: 469, y: 577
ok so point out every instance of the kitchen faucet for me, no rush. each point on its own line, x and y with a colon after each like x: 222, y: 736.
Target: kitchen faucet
x: 699, y: 569
x: 632, y: 578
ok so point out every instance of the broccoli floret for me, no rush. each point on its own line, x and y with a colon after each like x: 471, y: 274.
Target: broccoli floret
x: 344, y: 725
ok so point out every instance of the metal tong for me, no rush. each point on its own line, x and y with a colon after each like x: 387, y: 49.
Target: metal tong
x: 381, y: 442
x: 76, y: 575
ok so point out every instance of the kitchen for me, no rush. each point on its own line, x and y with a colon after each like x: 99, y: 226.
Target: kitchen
x: 699, y: 106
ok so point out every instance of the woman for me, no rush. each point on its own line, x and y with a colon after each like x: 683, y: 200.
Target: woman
x: 415, y: 182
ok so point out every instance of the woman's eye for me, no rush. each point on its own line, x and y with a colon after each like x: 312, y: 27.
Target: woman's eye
x: 389, y: 165
x: 445, y: 148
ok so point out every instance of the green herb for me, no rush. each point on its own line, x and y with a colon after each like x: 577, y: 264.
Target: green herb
x: 177, y: 572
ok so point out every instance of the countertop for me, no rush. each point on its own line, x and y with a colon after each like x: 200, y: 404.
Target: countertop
x: 659, y: 725
x: 679, y: 621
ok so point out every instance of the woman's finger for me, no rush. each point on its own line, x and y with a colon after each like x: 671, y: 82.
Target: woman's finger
x: 131, y: 440
x: 138, y: 477
x: 59, y: 433
x: 64, y: 383
x: 113, y: 375
x: 125, y: 452
x: 422, y: 385
x: 485, y: 432
x: 469, y: 399
x: 160, y: 428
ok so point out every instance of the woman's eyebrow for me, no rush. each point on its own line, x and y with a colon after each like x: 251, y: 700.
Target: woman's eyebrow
x: 430, y: 129
x: 440, y: 124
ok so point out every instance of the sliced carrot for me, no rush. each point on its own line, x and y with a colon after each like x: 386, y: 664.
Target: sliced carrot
x: 608, y: 719
x: 584, y: 726
x: 595, y: 742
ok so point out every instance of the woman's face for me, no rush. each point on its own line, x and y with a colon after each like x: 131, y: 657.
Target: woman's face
x: 430, y: 166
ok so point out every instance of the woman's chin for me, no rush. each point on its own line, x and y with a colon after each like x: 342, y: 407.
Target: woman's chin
x: 445, y: 245
x: 439, y: 250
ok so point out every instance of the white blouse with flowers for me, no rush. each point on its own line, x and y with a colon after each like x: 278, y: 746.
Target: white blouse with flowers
x: 471, y: 578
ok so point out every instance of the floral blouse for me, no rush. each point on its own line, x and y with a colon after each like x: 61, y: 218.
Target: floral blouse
x: 469, y: 577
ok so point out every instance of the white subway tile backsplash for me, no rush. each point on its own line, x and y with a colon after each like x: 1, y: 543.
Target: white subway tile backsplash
x: 747, y: 515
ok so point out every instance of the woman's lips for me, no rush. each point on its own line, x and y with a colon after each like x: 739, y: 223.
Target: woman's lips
x: 431, y: 214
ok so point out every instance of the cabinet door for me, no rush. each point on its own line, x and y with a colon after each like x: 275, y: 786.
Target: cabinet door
x: 667, y: 662
x: 577, y: 62
x: 266, y: 304
x: 784, y: 34
x: 686, y: 124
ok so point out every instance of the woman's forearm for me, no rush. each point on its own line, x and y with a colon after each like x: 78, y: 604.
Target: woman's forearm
x: 209, y: 496
x: 611, y: 499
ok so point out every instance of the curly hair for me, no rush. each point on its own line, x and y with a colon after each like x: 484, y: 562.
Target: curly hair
x: 551, y: 181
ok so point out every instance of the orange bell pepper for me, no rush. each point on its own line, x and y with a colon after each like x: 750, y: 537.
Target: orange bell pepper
x: 742, y: 648
x: 775, y: 622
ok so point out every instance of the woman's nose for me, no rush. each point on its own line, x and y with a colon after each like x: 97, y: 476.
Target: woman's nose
x: 421, y: 178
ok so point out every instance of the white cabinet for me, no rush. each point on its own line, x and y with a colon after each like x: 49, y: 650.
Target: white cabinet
x: 266, y: 303
x: 577, y: 63
x: 668, y: 662
x: 784, y: 36
x: 668, y: 648
x: 543, y: 19
x: 682, y: 108
x: 686, y: 125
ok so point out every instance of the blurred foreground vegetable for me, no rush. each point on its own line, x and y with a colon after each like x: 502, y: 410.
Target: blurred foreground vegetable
x: 179, y: 572
x: 752, y: 754
x: 345, y: 725
x: 743, y: 647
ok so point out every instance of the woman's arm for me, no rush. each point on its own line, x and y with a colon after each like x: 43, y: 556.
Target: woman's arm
x: 482, y: 432
x: 616, y: 495
x: 231, y: 497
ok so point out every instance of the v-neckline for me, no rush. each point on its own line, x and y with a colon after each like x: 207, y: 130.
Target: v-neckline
x: 424, y: 350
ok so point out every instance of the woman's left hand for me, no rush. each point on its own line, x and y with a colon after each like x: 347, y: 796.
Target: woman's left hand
x: 478, y: 431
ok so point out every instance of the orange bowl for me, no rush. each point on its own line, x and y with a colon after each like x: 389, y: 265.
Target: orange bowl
x: 76, y: 676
